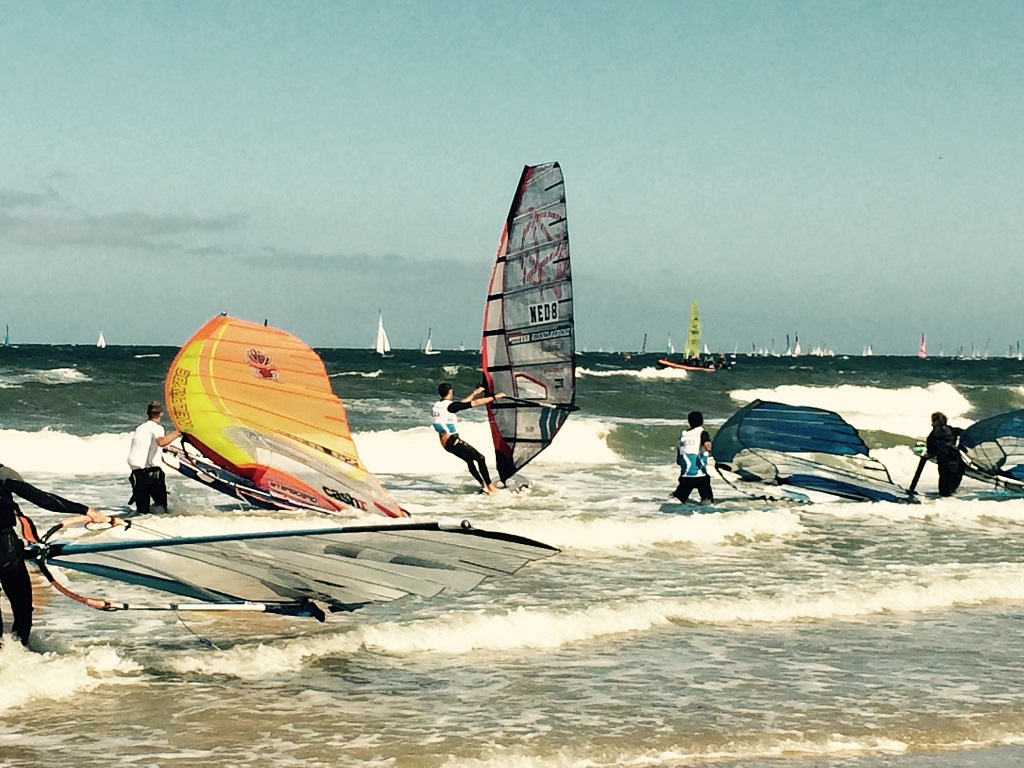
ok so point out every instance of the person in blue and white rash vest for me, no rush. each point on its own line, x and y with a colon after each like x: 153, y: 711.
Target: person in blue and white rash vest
x: 692, y: 453
x: 446, y: 424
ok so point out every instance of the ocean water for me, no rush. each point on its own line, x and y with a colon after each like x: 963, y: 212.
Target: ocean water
x: 845, y: 634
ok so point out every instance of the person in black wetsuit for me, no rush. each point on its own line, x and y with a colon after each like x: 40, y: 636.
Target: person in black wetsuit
x: 445, y: 422
x: 942, y: 446
x: 14, y: 578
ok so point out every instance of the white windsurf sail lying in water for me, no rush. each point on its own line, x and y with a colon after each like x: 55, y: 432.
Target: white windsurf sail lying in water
x: 295, y: 572
x: 528, y: 349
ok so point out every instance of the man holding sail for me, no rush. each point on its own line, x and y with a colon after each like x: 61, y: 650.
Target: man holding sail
x: 14, y: 578
x: 445, y: 423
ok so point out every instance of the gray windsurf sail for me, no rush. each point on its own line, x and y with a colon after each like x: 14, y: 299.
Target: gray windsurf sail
x: 807, y: 448
x: 292, y: 572
x: 528, y: 348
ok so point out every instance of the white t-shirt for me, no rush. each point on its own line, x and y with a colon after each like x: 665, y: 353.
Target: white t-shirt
x: 144, y: 451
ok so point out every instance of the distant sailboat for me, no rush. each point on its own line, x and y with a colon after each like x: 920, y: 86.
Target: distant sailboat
x: 669, y: 349
x: 922, y: 351
x: 381, y: 345
x: 796, y: 345
x: 643, y: 347
x: 7, y: 336
x: 429, y: 348
x: 101, y: 342
x: 692, y: 351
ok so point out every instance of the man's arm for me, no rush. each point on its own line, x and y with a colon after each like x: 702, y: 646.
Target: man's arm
x: 471, y: 400
x: 46, y: 500
x: 166, y: 440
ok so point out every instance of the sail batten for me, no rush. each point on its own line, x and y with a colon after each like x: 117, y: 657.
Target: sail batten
x: 528, y: 349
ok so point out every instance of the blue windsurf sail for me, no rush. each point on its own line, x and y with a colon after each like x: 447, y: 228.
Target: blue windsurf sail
x: 808, y: 448
x: 994, y: 448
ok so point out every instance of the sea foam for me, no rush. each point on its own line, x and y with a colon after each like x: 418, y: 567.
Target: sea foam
x: 903, y: 411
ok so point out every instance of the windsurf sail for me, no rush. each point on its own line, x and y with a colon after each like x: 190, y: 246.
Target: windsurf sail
x: 381, y: 345
x: 528, y: 349
x: 994, y: 449
x: 809, y: 448
x: 692, y: 349
x: 922, y: 351
x: 257, y: 403
x: 429, y: 348
x: 293, y: 572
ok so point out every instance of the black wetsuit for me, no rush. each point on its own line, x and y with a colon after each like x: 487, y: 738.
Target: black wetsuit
x: 14, y: 579
x: 941, y: 444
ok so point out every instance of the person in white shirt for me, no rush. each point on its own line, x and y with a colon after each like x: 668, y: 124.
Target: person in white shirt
x: 147, y: 477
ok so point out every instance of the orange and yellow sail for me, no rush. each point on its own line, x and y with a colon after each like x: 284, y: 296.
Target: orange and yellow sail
x: 257, y: 402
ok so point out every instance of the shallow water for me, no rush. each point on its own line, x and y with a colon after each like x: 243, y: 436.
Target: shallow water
x: 838, y: 634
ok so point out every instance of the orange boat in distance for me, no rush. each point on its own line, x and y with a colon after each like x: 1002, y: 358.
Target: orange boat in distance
x: 685, y: 367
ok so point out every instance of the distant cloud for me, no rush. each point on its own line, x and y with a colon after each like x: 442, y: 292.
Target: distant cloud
x: 130, y: 229
x: 273, y: 258
x: 11, y: 199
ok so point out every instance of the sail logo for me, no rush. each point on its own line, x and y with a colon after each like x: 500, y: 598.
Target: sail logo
x: 345, y: 498
x: 563, y: 332
x: 291, y: 492
x: 550, y: 268
x: 544, y: 312
x: 177, y: 401
x: 262, y: 364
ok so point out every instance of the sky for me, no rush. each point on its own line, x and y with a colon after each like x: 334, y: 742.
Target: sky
x: 852, y: 172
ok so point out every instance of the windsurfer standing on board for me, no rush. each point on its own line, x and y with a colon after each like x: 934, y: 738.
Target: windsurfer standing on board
x: 445, y: 422
x: 692, y: 453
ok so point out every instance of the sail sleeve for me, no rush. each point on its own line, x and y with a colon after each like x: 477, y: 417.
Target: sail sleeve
x: 528, y: 346
x: 338, y: 567
x: 811, y: 448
